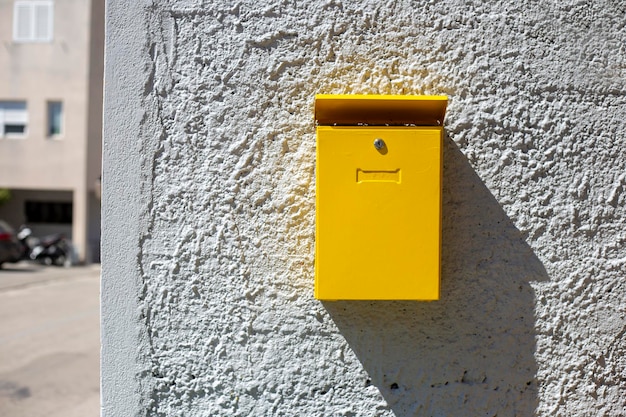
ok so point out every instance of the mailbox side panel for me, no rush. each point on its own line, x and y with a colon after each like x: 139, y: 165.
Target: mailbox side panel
x: 378, y: 214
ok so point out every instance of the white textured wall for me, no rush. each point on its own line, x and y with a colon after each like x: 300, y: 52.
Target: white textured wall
x: 209, y: 213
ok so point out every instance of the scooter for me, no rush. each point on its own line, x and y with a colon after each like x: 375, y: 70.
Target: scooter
x: 49, y: 250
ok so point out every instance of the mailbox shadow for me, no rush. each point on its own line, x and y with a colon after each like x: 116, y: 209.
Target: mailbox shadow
x: 471, y: 352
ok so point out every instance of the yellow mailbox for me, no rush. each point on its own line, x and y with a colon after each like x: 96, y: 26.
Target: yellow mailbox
x: 378, y: 201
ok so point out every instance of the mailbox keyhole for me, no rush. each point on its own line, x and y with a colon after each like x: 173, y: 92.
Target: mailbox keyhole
x: 380, y: 146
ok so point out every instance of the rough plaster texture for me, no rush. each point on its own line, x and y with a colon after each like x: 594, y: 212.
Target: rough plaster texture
x: 209, y: 213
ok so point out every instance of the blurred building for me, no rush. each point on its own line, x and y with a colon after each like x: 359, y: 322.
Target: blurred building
x: 51, y: 63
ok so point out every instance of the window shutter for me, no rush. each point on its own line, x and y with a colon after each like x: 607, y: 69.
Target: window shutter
x: 43, y: 21
x: 22, y: 23
x: 15, y: 112
x: 33, y: 21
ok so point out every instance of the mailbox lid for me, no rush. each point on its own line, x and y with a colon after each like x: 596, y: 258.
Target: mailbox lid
x: 378, y: 215
x: 380, y: 110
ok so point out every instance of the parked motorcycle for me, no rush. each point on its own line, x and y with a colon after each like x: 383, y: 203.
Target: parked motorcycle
x: 50, y: 250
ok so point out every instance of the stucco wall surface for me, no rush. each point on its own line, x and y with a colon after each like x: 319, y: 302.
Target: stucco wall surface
x: 209, y: 214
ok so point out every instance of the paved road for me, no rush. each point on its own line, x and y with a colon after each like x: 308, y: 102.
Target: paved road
x: 49, y: 341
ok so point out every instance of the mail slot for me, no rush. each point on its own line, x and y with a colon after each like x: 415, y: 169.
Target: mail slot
x: 378, y: 197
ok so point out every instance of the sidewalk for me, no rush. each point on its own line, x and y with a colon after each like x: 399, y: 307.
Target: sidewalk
x: 24, y: 273
x: 49, y: 341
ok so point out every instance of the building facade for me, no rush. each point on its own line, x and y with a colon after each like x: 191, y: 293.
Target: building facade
x: 51, y: 63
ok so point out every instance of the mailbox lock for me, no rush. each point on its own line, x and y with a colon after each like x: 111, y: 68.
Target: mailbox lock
x: 379, y: 144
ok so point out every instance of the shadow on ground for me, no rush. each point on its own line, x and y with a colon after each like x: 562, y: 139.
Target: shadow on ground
x: 472, y: 352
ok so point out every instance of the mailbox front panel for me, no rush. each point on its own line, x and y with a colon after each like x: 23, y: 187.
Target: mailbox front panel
x: 378, y: 214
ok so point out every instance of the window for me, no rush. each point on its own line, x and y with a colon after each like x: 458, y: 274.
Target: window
x: 48, y: 212
x: 33, y: 21
x: 13, y: 118
x: 55, y: 118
